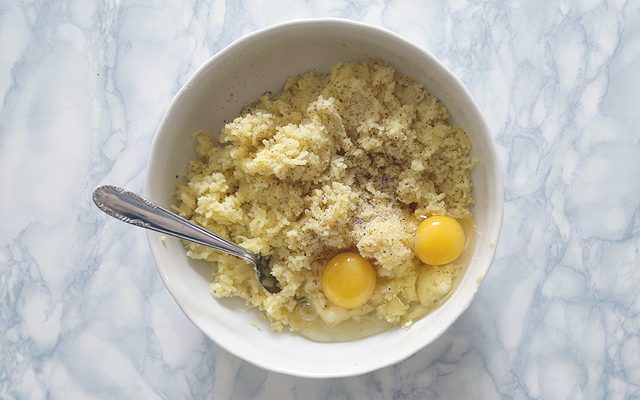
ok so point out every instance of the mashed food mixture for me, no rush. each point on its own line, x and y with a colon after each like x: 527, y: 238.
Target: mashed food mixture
x: 350, y: 161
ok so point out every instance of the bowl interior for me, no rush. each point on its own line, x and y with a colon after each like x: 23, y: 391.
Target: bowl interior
x: 237, y: 76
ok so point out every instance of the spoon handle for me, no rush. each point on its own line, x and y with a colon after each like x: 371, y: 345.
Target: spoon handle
x: 136, y: 210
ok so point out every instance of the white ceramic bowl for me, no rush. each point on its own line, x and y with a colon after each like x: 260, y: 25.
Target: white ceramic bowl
x: 237, y: 76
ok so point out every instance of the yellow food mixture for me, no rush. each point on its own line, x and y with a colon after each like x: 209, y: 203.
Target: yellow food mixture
x: 352, y: 160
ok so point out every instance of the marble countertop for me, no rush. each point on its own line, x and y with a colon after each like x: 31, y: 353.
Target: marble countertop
x: 85, y: 315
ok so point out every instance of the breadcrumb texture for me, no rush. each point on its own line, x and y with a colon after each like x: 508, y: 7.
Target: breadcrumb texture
x: 351, y: 160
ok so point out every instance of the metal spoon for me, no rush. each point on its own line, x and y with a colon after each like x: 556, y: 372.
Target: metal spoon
x: 136, y: 210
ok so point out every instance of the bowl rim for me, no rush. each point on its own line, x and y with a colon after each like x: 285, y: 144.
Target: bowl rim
x: 498, y: 190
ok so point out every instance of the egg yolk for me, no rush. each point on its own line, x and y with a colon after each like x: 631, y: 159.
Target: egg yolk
x: 348, y: 280
x: 439, y: 240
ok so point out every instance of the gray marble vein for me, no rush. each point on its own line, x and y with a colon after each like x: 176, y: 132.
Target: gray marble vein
x: 83, y: 85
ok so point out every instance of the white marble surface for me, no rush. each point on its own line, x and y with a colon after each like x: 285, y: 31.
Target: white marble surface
x: 84, y: 314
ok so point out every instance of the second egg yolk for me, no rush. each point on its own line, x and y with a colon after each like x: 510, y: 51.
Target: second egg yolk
x: 348, y: 280
x: 439, y: 240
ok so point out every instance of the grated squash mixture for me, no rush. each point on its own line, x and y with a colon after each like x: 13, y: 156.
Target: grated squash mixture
x: 350, y: 160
